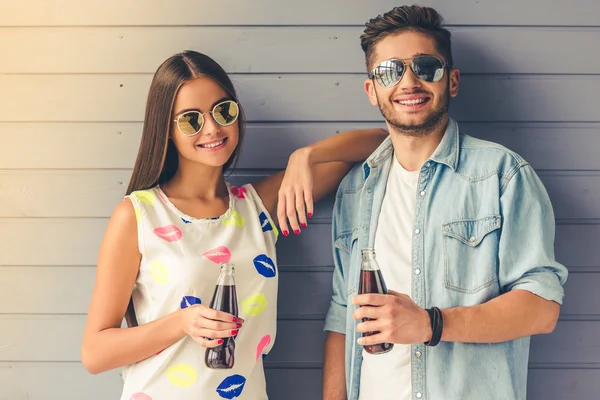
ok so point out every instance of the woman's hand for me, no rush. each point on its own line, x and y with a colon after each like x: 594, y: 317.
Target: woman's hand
x: 295, y: 199
x: 208, y: 327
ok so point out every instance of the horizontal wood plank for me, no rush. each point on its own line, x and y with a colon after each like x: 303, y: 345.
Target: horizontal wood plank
x: 273, y: 12
x: 68, y: 381
x: 81, y: 145
x: 334, y: 49
x: 73, y: 242
x: 67, y: 290
x: 334, y: 97
x: 303, y: 292
x: 56, y: 381
x: 298, y: 342
x: 67, y: 242
x: 95, y: 193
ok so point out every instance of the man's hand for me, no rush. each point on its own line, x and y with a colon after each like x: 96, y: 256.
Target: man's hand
x: 395, y: 316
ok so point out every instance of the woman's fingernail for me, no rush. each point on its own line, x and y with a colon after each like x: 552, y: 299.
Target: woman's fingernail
x: 297, y: 231
x: 220, y: 341
x: 234, y: 332
x: 235, y: 319
x: 309, y: 215
x: 238, y: 325
x: 285, y: 233
x: 303, y: 225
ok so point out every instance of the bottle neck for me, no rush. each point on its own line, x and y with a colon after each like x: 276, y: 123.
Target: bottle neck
x: 369, y: 263
x: 226, y: 278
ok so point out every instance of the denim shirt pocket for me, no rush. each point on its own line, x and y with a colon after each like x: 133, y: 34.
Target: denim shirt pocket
x: 471, y: 253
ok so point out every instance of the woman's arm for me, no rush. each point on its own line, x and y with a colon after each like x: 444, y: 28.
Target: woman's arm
x: 313, y: 172
x: 105, y: 344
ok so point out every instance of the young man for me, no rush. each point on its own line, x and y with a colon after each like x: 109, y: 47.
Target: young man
x: 463, y: 231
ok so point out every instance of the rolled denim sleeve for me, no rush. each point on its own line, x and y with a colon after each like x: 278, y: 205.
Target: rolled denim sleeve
x: 526, y: 252
x: 335, y: 321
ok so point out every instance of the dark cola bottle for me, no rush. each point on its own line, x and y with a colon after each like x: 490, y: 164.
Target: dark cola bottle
x: 224, y: 299
x: 371, y: 281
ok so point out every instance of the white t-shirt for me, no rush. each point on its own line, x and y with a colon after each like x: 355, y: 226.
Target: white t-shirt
x: 388, y: 376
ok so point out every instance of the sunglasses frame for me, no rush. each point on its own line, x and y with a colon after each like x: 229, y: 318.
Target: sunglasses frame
x: 176, y: 120
x: 372, y: 75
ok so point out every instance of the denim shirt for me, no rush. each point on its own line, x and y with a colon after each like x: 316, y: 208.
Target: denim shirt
x: 483, y: 226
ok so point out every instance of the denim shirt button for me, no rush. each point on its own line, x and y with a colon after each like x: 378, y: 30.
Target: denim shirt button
x: 418, y: 354
x: 472, y: 239
x: 417, y: 271
x: 417, y: 231
x: 369, y: 190
x: 419, y: 395
x: 365, y: 228
x: 422, y: 193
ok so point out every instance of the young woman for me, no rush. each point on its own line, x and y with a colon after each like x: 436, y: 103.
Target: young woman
x: 161, y: 254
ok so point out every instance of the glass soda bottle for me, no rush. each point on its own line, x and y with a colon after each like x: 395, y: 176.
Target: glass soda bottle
x: 371, y: 281
x: 224, y: 299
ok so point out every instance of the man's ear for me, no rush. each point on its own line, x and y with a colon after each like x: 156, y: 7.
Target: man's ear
x: 454, y: 82
x: 370, y: 89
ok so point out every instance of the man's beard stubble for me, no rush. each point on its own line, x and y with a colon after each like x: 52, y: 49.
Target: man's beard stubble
x: 432, y: 121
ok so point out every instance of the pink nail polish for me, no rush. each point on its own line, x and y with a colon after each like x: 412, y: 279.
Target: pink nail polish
x: 309, y: 215
x: 220, y: 341
x: 296, y: 231
x: 303, y: 225
x: 238, y: 325
x: 235, y: 319
x: 234, y: 332
x: 285, y: 233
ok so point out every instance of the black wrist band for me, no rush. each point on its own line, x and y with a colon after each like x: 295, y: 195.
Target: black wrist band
x: 437, y: 325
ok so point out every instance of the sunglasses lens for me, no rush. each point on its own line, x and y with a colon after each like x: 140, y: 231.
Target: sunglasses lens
x: 226, y: 113
x: 389, y: 73
x: 428, y: 68
x: 190, y: 122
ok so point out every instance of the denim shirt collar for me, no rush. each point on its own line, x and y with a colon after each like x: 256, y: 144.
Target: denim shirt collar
x: 446, y: 153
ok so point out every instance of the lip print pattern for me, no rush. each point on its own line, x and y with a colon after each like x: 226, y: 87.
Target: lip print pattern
x: 162, y: 197
x: 265, y: 223
x: 182, y: 375
x: 218, y: 255
x: 140, y: 396
x: 238, y: 192
x: 264, y: 342
x: 231, y: 387
x: 234, y: 219
x: 254, y: 304
x: 138, y: 214
x: 265, y: 266
x: 170, y: 233
x: 189, y: 301
x: 145, y: 197
x: 159, y: 272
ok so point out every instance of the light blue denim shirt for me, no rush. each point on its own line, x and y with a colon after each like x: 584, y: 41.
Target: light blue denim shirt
x: 483, y: 226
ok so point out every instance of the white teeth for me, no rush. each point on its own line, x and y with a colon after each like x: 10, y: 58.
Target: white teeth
x: 411, y: 102
x: 212, y: 145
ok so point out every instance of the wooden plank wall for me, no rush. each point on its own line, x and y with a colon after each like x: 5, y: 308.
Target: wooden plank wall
x: 74, y: 77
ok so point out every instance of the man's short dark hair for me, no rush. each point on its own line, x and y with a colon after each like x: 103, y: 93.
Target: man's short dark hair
x: 414, y: 18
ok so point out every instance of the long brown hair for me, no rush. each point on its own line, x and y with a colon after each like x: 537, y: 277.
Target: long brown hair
x: 157, y: 159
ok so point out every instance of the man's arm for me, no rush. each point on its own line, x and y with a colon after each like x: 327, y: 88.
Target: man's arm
x: 334, y: 366
x: 529, y: 276
x: 334, y: 376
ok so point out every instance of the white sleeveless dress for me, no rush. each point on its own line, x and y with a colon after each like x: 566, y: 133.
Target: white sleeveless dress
x: 180, y: 264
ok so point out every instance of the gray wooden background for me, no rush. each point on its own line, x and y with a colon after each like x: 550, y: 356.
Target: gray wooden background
x: 73, y: 82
